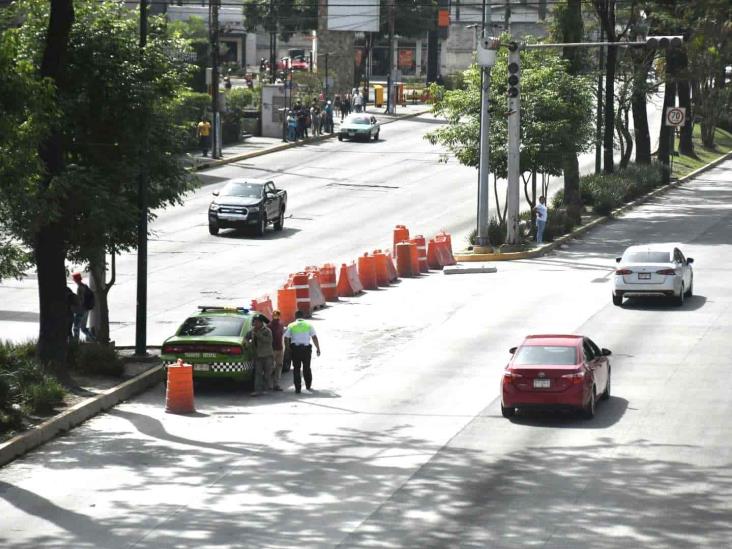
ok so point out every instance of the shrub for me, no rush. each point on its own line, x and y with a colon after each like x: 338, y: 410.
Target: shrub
x: 558, y: 223
x: 454, y: 81
x: 43, y: 396
x: 496, y: 233
x: 190, y: 107
x: 238, y: 99
x: 95, y: 358
x: 558, y: 199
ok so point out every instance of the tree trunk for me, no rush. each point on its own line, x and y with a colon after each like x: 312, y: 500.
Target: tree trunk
x: 686, y: 143
x: 49, y: 241
x: 669, y: 100
x: 638, y: 100
x: 572, y: 30
x: 626, y: 137
x: 99, y: 317
x: 607, y: 142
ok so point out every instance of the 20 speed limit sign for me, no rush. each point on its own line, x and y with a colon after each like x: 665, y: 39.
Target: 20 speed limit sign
x: 675, y: 116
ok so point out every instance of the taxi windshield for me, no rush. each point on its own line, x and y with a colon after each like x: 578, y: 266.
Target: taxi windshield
x: 545, y: 354
x: 242, y: 188
x: 360, y: 120
x: 224, y: 326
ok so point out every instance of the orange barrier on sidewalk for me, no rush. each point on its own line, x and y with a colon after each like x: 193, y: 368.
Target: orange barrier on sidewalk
x: 446, y: 240
x: 419, y: 240
x: 179, y: 389
x: 263, y: 305
x: 404, y: 259
x: 434, y: 255
x: 391, y: 268
x: 301, y: 284
x: 287, y: 304
x: 349, y: 284
x: 328, y: 282
x: 382, y: 271
x: 401, y: 233
x: 414, y: 256
x: 367, y: 272
x: 317, y: 299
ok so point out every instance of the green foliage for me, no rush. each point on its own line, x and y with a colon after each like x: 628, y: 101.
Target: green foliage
x: 606, y: 192
x: 189, y: 108
x: 95, y: 358
x: 238, y: 99
x: 556, y: 114
x: 24, y: 385
x: 285, y: 17
x: 193, y: 33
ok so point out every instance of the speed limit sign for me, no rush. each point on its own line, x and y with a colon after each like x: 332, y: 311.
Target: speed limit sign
x: 675, y: 116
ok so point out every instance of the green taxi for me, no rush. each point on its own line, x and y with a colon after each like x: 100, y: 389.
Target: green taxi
x: 214, y: 342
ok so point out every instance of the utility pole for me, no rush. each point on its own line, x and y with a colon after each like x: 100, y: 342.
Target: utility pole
x: 514, y: 144
x: 486, y: 56
x: 326, y: 76
x: 141, y: 311
x: 216, y: 122
x: 390, y: 99
x: 599, y: 101
x: 272, y: 44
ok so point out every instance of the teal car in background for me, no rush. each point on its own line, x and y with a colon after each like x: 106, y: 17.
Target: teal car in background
x: 359, y: 126
x: 214, y: 342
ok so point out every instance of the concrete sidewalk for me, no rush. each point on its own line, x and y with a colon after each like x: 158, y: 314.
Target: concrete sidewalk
x: 257, y: 146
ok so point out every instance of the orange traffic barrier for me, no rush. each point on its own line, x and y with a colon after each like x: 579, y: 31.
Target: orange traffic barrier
x: 349, y: 284
x: 287, y: 304
x: 446, y: 243
x: 421, y: 243
x: 391, y: 268
x: 179, y: 389
x: 404, y: 259
x: 401, y: 233
x: 301, y: 285
x: 434, y: 255
x: 382, y: 271
x: 367, y: 272
x: 328, y: 282
x: 414, y: 256
x: 317, y: 299
x: 263, y: 305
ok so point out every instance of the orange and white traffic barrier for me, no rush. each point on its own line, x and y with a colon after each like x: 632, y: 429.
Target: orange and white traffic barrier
x: 263, y: 305
x: 404, y: 252
x: 401, y: 233
x: 317, y: 299
x: 367, y: 272
x: 434, y: 255
x: 349, y: 284
x: 414, y: 256
x: 179, y: 389
x: 287, y: 304
x: 301, y: 285
x: 382, y: 271
x: 421, y: 243
x: 328, y: 282
x: 446, y: 241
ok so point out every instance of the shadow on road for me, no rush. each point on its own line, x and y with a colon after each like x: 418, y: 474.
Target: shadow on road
x: 608, y: 414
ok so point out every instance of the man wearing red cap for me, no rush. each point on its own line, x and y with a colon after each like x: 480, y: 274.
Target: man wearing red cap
x: 85, y: 303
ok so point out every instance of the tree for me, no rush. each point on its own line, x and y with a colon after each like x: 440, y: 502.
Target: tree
x: 556, y: 115
x: 89, y: 205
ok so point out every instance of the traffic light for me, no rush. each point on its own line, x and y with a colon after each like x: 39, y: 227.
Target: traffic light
x: 653, y: 42
x: 443, y: 18
x: 514, y: 69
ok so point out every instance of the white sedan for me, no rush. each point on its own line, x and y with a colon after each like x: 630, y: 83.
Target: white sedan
x: 653, y: 270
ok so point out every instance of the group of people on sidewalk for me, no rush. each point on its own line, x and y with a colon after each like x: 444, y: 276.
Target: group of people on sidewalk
x: 303, y: 120
x: 355, y: 101
x: 271, y: 340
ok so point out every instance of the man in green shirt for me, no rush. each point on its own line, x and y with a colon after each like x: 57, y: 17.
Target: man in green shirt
x: 261, y: 340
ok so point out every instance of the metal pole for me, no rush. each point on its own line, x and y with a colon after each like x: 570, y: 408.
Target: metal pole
x: 390, y: 77
x: 216, y: 122
x: 482, y: 239
x: 326, y: 77
x: 600, y: 108
x: 514, y: 159
x: 141, y: 311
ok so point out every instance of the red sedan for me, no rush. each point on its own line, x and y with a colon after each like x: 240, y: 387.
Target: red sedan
x: 556, y: 371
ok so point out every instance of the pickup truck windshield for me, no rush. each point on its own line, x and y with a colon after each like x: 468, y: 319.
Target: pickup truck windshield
x: 225, y: 326
x: 238, y: 188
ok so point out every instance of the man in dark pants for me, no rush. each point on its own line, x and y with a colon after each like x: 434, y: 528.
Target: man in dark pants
x: 297, y: 339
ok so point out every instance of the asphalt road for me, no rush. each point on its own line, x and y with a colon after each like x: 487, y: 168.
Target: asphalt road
x: 344, y: 199
x: 402, y: 443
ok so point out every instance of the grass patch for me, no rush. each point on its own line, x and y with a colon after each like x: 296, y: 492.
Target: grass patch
x: 684, y: 165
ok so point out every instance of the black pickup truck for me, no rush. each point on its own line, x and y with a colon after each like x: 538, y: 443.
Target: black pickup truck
x: 247, y: 203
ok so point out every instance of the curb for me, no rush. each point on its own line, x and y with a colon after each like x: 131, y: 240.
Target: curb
x: 285, y: 146
x: 538, y: 252
x: 24, y: 442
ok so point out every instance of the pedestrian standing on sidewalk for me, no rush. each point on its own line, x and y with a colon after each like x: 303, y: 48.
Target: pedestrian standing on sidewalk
x: 276, y: 328
x: 85, y: 303
x: 315, y: 119
x: 203, y: 132
x: 291, y: 127
x: 346, y: 109
x: 541, y: 219
x: 328, y: 117
x: 338, y: 105
x: 297, y: 339
x: 261, y: 340
x: 357, y: 101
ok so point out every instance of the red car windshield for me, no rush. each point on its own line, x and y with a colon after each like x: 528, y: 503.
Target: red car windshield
x: 545, y: 354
